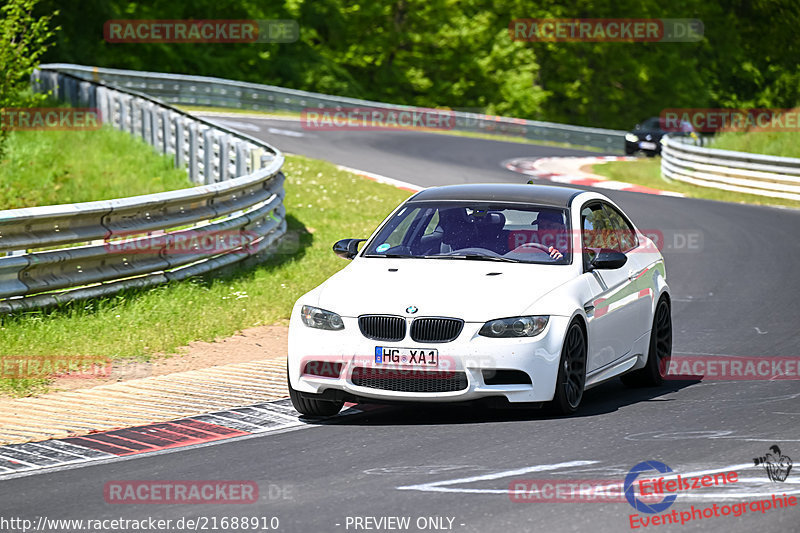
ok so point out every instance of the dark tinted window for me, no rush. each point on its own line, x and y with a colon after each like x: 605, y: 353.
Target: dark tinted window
x: 435, y: 230
x: 653, y: 123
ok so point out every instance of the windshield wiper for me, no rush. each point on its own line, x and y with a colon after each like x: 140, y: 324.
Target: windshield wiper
x: 474, y: 257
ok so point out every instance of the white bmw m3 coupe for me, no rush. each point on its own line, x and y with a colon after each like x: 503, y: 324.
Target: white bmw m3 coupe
x: 504, y: 293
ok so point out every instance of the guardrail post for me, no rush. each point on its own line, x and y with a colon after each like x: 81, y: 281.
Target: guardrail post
x: 241, y: 159
x: 208, y: 156
x: 193, y: 153
x: 178, y: 140
x: 102, y: 103
x: 115, y: 103
x: 224, y: 157
x: 153, y: 120
x: 164, y: 144
x: 123, y: 114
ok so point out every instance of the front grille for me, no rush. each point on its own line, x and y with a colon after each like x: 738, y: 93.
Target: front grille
x: 382, y: 327
x: 436, y: 329
x: 409, y: 380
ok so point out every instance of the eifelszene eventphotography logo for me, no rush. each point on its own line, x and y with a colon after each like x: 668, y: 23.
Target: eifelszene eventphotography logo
x: 775, y: 464
x: 652, y: 487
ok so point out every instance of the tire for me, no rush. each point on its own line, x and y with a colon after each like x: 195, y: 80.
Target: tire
x: 305, y: 403
x: 571, y: 372
x: 659, y: 354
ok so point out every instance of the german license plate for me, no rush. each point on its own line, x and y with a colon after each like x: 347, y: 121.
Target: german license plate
x: 420, y: 357
x: 644, y: 145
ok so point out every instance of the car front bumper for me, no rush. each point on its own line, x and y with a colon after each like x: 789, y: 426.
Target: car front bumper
x: 475, y: 356
x: 653, y: 148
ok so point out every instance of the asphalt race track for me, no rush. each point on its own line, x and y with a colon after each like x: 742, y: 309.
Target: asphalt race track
x: 733, y: 274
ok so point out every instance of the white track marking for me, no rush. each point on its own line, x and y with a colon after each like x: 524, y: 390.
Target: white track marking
x: 244, y: 126
x: 381, y: 179
x: 745, y: 488
x: 287, y: 133
x: 440, y: 486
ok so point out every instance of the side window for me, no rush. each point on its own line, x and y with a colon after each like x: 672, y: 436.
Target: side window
x: 596, y: 229
x: 624, y: 232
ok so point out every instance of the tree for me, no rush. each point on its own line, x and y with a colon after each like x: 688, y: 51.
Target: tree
x: 23, y: 39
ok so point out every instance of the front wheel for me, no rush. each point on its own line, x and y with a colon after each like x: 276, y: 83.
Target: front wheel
x: 660, y: 353
x: 307, y: 405
x: 571, y: 372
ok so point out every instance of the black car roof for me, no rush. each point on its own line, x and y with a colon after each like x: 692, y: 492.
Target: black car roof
x: 500, y: 192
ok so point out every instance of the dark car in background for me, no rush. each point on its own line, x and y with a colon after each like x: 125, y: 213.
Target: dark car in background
x: 646, y: 136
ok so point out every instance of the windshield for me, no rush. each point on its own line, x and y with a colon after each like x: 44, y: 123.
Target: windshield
x: 448, y: 230
x: 653, y: 123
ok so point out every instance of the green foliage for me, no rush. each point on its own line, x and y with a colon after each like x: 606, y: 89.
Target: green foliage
x: 23, y: 40
x: 459, y: 53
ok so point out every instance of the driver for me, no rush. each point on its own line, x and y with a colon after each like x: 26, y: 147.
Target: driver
x: 550, y: 229
x: 458, y: 231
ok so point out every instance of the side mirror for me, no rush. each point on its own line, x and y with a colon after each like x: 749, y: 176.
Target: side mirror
x: 347, y: 248
x: 606, y: 259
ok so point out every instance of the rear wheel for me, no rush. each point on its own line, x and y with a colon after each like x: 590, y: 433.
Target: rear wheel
x: 660, y: 352
x: 571, y: 372
x: 307, y: 405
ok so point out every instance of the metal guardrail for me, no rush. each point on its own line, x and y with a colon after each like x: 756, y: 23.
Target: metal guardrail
x: 55, y: 254
x: 762, y: 175
x: 217, y: 92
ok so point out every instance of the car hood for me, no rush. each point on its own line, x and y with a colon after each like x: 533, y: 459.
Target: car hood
x: 475, y: 291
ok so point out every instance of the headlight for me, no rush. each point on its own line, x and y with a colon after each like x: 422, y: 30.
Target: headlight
x: 630, y: 137
x: 520, y: 326
x: 314, y: 317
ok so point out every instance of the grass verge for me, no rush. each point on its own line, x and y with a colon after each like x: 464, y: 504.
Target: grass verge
x: 323, y: 205
x: 777, y: 143
x: 62, y: 167
x: 647, y: 172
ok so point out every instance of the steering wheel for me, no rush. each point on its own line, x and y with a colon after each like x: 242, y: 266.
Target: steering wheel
x: 531, y: 247
x: 473, y: 250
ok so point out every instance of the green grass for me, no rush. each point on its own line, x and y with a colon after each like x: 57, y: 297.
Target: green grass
x: 323, y: 205
x: 61, y: 167
x: 647, y: 172
x: 500, y: 137
x: 238, y: 111
x: 777, y: 143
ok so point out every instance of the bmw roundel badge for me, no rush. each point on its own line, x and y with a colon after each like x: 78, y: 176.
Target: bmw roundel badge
x: 411, y: 309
